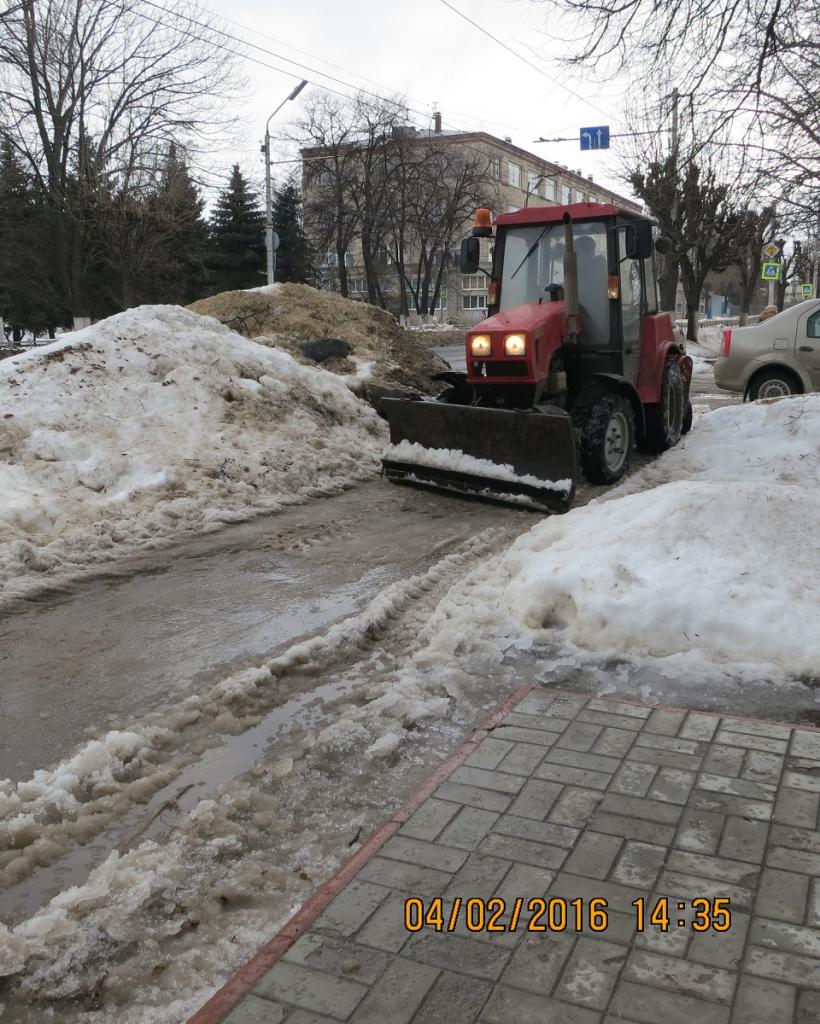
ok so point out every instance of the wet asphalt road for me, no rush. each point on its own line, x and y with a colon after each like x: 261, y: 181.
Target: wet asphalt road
x: 112, y: 650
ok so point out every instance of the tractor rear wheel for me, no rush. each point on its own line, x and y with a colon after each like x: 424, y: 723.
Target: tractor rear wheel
x: 688, y: 416
x: 607, y: 438
x: 664, y: 419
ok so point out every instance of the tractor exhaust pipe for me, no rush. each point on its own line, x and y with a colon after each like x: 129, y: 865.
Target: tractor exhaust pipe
x: 570, y: 278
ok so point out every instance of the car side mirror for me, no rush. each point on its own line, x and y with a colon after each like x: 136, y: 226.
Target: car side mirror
x: 638, y: 240
x: 470, y: 255
x: 663, y: 245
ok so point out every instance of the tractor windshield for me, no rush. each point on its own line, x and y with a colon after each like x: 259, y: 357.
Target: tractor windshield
x: 525, y: 279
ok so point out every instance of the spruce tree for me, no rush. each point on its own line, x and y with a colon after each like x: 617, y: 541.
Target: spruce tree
x: 29, y: 299
x: 293, y: 256
x: 237, y: 238
x: 178, y: 273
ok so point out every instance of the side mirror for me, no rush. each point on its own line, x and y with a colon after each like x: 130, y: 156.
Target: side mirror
x: 663, y: 245
x: 470, y: 255
x: 638, y: 240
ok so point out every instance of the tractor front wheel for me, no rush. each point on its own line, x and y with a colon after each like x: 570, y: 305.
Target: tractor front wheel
x: 664, y: 419
x: 607, y: 438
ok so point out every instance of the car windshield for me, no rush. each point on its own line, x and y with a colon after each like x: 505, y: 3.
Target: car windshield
x: 525, y: 278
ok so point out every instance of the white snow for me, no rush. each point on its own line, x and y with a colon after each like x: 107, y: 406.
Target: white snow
x: 264, y: 289
x: 453, y: 459
x: 159, y: 422
x: 706, y: 558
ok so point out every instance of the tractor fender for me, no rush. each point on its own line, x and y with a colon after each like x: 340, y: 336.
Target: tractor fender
x: 654, y: 356
x: 601, y: 383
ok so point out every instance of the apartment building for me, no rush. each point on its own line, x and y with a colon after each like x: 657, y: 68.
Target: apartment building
x: 516, y: 178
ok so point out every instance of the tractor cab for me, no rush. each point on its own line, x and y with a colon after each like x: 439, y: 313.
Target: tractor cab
x: 613, y: 279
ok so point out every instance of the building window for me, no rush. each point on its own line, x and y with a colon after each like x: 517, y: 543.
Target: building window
x: 357, y: 284
x: 473, y: 283
x: 328, y: 259
x: 514, y: 175
x: 512, y: 208
x: 566, y: 195
x: 549, y: 189
x: 533, y: 183
x: 495, y: 168
x: 474, y: 300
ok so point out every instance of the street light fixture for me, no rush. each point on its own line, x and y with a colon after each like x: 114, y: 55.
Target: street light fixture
x: 268, y: 198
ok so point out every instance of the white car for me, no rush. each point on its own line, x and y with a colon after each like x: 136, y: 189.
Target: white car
x: 779, y: 356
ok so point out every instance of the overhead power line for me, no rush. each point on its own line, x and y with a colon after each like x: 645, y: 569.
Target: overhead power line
x: 211, y: 29
x: 379, y: 85
x: 612, y: 135
x: 526, y: 60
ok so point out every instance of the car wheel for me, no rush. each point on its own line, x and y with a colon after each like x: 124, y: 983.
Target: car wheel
x: 774, y: 384
x: 607, y: 438
x: 664, y: 419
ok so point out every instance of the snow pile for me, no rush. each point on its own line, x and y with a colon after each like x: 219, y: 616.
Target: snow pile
x: 285, y: 316
x: 157, y: 422
x: 704, y: 559
x: 456, y: 461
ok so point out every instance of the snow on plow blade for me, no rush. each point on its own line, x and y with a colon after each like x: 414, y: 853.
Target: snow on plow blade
x: 525, y: 458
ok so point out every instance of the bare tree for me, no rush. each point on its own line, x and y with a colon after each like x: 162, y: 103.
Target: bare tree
x: 91, y: 93
x: 450, y: 181
x: 754, y: 229
x: 756, y: 64
x: 330, y: 133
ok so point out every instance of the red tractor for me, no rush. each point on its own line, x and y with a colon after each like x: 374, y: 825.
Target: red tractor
x: 573, y: 365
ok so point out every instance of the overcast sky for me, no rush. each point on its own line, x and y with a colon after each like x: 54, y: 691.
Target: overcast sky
x: 436, y: 59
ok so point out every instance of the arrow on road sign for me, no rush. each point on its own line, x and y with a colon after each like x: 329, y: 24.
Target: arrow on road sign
x: 596, y: 137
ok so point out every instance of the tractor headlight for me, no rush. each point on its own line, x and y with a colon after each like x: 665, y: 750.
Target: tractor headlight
x: 515, y: 345
x: 480, y: 345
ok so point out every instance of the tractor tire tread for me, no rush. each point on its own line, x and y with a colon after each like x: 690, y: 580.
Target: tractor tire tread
x: 591, y: 422
x: 659, y: 434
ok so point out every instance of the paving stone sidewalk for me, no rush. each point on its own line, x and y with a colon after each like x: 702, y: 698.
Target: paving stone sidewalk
x: 582, y: 798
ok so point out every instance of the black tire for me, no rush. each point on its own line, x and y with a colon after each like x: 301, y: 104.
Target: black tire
x: 688, y: 415
x: 607, y: 436
x: 774, y: 383
x: 664, y: 419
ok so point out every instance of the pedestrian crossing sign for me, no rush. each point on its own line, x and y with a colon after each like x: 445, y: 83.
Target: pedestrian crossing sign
x: 808, y: 291
x: 770, y: 271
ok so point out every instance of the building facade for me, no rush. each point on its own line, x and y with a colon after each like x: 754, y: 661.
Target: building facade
x: 515, y: 178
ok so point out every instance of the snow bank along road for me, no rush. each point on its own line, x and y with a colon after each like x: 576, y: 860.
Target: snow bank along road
x: 230, y: 784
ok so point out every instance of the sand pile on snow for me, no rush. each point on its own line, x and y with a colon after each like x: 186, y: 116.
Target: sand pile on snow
x: 704, y: 559
x: 287, y: 314
x: 158, y: 422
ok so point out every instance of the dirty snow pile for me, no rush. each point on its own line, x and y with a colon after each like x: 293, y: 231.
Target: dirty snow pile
x: 154, y: 423
x: 705, y: 561
x: 368, y: 348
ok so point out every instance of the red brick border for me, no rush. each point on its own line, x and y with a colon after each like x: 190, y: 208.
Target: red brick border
x: 247, y: 976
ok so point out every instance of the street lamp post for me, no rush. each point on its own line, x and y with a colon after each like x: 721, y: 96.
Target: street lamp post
x: 268, y: 195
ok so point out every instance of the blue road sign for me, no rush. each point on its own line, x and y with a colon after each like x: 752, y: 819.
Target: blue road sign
x: 595, y: 138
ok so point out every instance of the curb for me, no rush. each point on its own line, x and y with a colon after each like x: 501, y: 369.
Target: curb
x: 246, y: 977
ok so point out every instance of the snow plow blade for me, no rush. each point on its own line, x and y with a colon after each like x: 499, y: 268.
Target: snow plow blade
x: 522, y: 458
